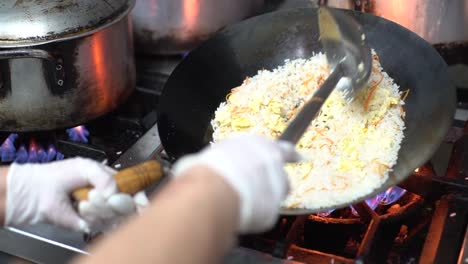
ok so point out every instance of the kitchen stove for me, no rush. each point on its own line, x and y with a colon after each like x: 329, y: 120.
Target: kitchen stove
x: 426, y: 225
x: 393, y: 233
x: 122, y: 138
x: 430, y: 227
x: 112, y: 134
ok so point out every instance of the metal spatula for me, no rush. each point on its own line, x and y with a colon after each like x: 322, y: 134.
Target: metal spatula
x: 350, y: 62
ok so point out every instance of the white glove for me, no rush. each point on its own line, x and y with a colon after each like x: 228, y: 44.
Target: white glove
x: 105, y: 213
x: 41, y: 193
x: 254, y: 167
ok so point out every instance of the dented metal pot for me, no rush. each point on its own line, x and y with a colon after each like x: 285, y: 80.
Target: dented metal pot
x: 63, y: 62
x: 437, y: 21
x: 177, y: 26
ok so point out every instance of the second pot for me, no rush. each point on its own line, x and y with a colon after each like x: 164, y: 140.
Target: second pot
x: 177, y: 26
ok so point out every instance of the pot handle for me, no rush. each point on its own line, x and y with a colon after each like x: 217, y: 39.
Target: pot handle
x: 57, y: 75
x: 27, y: 53
x: 130, y: 180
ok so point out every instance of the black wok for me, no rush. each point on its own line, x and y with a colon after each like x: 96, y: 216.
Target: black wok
x: 204, y: 78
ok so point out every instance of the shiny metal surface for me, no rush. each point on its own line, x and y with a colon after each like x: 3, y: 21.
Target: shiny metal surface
x: 177, y: 26
x: 349, y: 57
x: 67, y: 83
x: 41, y: 244
x: 437, y: 21
x: 26, y: 23
x: 463, y: 258
x: 310, y: 109
x: 40, y: 249
x: 146, y: 147
x: 344, y: 42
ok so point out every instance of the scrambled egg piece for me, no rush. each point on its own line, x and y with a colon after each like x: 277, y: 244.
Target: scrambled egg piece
x: 241, y: 122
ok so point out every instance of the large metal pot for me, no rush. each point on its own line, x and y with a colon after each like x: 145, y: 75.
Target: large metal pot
x: 63, y: 62
x: 177, y: 26
x: 437, y: 21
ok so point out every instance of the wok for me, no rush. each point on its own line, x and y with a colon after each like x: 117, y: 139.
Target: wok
x: 203, y: 79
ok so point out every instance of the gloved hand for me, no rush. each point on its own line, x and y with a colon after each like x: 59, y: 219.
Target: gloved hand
x: 41, y: 193
x: 105, y: 213
x: 254, y: 167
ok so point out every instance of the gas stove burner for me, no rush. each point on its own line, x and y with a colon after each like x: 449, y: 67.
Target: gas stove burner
x: 390, y: 196
x: 103, y: 139
x: 383, y: 211
x: 40, y: 147
x: 29, y: 148
x: 343, y: 235
x: 399, y: 226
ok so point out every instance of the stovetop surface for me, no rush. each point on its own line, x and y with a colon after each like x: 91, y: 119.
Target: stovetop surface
x: 114, y: 133
x: 122, y: 138
x: 129, y: 135
x: 436, y: 233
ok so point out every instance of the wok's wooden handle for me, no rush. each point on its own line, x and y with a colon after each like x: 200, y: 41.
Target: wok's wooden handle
x: 130, y: 180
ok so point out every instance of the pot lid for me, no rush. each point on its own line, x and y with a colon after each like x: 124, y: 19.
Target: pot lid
x: 33, y: 22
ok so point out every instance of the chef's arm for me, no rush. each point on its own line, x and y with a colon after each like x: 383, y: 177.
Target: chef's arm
x: 192, y: 220
x: 233, y: 187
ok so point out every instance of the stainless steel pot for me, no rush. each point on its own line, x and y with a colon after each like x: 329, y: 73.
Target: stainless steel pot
x: 437, y: 21
x: 63, y: 62
x: 177, y: 26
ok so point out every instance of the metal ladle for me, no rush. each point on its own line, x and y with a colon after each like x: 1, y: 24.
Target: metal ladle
x: 350, y: 61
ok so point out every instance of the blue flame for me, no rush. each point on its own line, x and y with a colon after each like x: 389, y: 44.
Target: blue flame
x: 374, y: 201
x: 78, y: 134
x: 22, y: 155
x: 51, y: 153
x: 353, y: 211
x: 371, y: 202
x: 33, y: 153
x: 392, y: 195
x: 41, y: 155
x: 32, y: 156
x: 325, y: 213
x: 60, y: 156
x: 7, y: 149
